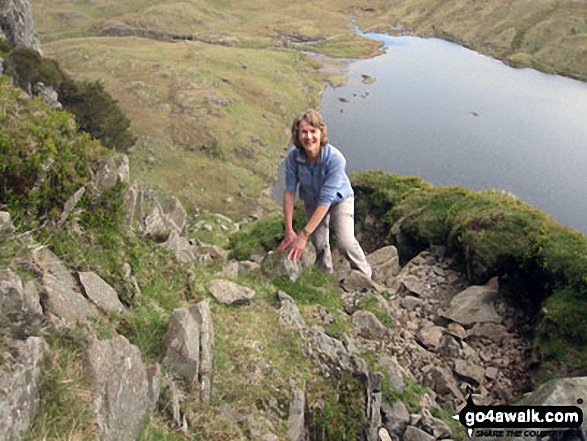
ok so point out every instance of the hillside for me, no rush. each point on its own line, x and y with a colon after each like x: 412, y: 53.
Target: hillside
x: 134, y: 308
x: 121, y: 320
x: 211, y: 87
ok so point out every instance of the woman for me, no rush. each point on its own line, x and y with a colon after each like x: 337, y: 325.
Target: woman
x: 319, y: 169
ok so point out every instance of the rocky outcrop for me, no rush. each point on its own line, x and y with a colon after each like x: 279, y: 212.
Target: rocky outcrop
x: 99, y: 292
x: 60, y: 295
x: 182, y: 344
x: 48, y: 96
x: 17, y: 24
x: 19, y: 387
x: 123, y: 389
x: 203, y: 317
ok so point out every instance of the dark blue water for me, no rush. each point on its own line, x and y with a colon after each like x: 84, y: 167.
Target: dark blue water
x: 454, y: 117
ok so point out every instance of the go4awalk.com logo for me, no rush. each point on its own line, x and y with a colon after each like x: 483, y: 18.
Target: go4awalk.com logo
x: 517, y: 421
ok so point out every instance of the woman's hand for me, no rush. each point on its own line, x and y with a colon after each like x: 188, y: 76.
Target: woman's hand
x: 290, y: 237
x: 297, y: 248
x: 297, y: 242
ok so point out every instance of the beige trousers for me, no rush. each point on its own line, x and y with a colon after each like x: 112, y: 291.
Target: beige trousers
x: 342, y: 217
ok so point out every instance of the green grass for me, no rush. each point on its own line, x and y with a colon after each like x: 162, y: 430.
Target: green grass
x: 64, y: 390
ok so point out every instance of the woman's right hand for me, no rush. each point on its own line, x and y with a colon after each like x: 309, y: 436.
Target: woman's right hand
x: 290, y: 237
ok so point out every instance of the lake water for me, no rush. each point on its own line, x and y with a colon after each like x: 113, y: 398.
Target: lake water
x: 454, y: 117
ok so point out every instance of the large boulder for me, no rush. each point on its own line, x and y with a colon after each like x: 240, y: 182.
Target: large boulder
x: 182, y: 344
x: 48, y: 96
x: 163, y: 218
x: 385, y: 262
x: 19, y: 400
x: 368, y: 326
x: 61, y: 294
x: 202, y: 314
x: 561, y: 392
x: 18, y: 25
x: 228, y: 293
x: 276, y: 264
x: 104, y: 175
x: 475, y: 304
x: 122, y: 388
x: 15, y: 298
x: 100, y: 292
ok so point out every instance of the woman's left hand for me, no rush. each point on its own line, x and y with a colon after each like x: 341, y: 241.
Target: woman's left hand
x: 297, y: 248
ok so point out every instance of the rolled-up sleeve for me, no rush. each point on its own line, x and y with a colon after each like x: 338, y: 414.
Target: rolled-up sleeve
x: 291, y: 175
x: 334, y: 180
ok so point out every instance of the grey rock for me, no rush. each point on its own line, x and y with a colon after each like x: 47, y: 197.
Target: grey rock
x: 206, y: 252
x: 181, y: 248
x: 16, y: 20
x: 70, y: 205
x: 133, y: 204
x: 491, y: 331
x: 358, y: 282
x: 230, y: 270
x: 329, y: 349
x: 395, y: 417
x: 48, y: 96
x: 474, y: 305
x: 15, y: 299
x: 560, y: 392
x: 469, y: 372
x: 120, y: 387
x: 6, y: 225
x: 182, y: 345
x: 295, y: 421
x: 62, y: 297
x: 123, y: 169
x: 105, y: 175
x: 457, y: 331
x: 154, y: 377
x: 438, y: 428
x: 384, y: 434
x: 100, y: 293
x: 414, y: 434
x: 289, y: 314
x: 392, y: 369
x: 228, y: 293
x: 19, y: 400
x: 374, y: 416
x: 203, y: 317
x: 276, y: 264
x: 175, y: 214
x: 155, y: 223
x: 411, y: 302
x: 368, y: 326
x: 385, y: 261
x: 169, y: 404
x: 429, y: 335
x: 308, y: 258
x: 443, y: 383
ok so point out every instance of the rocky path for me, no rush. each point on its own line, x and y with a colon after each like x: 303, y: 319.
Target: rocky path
x: 449, y: 336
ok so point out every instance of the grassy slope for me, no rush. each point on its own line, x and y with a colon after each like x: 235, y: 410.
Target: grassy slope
x: 256, y: 359
x: 215, y: 117
x: 213, y: 112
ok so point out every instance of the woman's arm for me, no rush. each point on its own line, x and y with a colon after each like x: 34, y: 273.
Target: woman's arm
x: 300, y: 240
x: 289, y: 198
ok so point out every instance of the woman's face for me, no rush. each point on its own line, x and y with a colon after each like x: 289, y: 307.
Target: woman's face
x: 310, y: 139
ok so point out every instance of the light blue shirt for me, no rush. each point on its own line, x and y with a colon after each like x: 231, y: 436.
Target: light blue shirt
x: 325, y: 183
